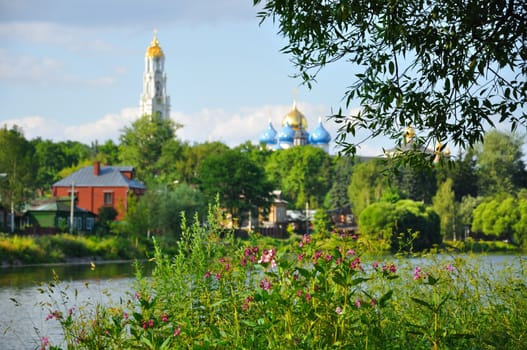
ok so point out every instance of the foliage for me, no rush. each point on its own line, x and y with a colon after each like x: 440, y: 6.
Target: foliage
x: 226, y: 293
x: 239, y: 181
x: 63, y: 247
x: 407, y: 225
x: 500, y: 164
x: 105, y: 217
x: 337, y: 197
x: 446, y: 207
x: 368, y: 184
x: 142, y: 145
x: 448, y: 68
x: 302, y: 173
x: 502, y: 216
x: 322, y: 223
x: 17, y: 167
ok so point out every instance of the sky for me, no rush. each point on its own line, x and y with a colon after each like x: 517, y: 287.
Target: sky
x: 73, y: 70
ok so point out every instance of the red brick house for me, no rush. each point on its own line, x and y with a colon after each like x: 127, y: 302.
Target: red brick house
x: 100, y: 185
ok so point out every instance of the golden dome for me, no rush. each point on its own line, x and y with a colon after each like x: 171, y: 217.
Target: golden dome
x: 154, y: 50
x: 409, y: 134
x: 295, y: 119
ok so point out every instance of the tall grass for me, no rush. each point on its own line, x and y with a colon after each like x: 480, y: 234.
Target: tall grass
x: 220, y: 292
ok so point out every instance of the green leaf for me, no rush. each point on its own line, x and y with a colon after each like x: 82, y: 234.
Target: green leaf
x: 384, y: 299
x: 422, y: 302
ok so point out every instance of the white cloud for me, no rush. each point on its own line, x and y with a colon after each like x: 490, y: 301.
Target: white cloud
x: 231, y: 128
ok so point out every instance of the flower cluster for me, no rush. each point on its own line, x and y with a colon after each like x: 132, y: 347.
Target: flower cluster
x: 268, y: 257
x: 249, y: 254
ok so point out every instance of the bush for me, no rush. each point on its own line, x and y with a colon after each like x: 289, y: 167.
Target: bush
x: 406, y: 225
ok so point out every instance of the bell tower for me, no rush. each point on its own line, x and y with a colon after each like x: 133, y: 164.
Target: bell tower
x: 154, y: 98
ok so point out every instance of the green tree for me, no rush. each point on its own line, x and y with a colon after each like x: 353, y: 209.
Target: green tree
x: 337, y: 197
x: 368, y: 184
x: 442, y: 67
x: 496, y: 217
x: 107, y: 153
x: 192, y: 156
x: 322, y: 223
x: 17, y: 167
x: 142, y: 146
x: 302, y: 173
x: 407, y: 225
x: 105, y: 217
x: 445, y: 206
x: 51, y: 159
x: 240, y: 182
x: 499, y: 163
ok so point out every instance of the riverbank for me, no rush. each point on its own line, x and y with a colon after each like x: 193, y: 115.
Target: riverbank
x: 67, y: 249
x: 74, y: 249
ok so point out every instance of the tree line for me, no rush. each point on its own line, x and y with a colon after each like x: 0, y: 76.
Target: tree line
x: 482, y: 191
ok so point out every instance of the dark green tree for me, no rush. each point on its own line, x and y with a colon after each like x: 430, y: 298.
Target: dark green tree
x: 105, y: 217
x: 142, y: 146
x: 239, y: 182
x: 107, y: 153
x: 303, y: 174
x: 337, y: 197
x: 18, y: 168
x: 451, y: 69
x: 192, y: 157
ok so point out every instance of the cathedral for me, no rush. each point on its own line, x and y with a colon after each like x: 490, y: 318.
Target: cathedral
x: 294, y: 132
x: 155, y: 101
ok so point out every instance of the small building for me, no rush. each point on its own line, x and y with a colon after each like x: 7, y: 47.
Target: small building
x: 100, y: 185
x: 54, y: 215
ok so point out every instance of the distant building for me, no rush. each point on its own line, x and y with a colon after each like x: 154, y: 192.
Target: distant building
x: 154, y: 99
x: 294, y: 132
x: 97, y: 186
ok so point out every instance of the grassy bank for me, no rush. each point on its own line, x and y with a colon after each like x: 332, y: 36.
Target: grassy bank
x: 15, y: 250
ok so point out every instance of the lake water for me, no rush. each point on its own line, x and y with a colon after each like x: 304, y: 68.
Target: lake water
x: 22, y: 318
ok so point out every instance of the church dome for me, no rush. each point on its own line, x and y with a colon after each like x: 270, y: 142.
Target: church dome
x: 154, y: 50
x: 320, y: 135
x: 268, y: 136
x: 295, y: 119
x: 286, y: 134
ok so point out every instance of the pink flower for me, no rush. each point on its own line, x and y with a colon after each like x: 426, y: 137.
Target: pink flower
x: 375, y: 264
x: 373, y: 301
x: 151, y: 323
x: 222, y: 260
x: 329, y: 257
x: 265, y: 284
x: 125, y: 316
x: 308, y: 297
x: 218, y: 276
x: 338, y: 310
x: 357, y: 302
x: 449, y: 268
x: 244, y: 262
x: 299, y: 292
x: 177, y: 331
x: 164, y: 318
x: 350, y: 252
x: 417, y: 273
x: 299, y: 257
x: 207, y: 274
x: 44, y: 342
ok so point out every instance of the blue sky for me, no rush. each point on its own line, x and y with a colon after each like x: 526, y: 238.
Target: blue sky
x: 72, y: 69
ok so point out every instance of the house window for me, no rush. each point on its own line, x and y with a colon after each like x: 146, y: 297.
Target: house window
x: 77, y: 222
x: 108, y: 198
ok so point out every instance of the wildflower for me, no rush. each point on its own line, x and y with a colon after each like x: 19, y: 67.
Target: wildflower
x: 125, y: 316
x: 417, y: 273
x: 449, y: 268
x: 247, y: 252
x: 268, y: 256
x: 44, y: 342
x: 164, y: 318
x: 299, y: 257
x: 373, y: 301
x: 244, y: 262
x: 339, y: 261
x: 317, y: 255
x: 350, y: 252
x: 375, y: 265
x: 222, y: 260
x: 177, y: 331
x: 338, y: 310
x: 329, y: 257
x: 70, y: 311
x: 389, y: 268
x: 300, y: 244
x: 308, y: 297
x: 358, y: 303
x: 207, y: 274
x: 355, y: 264
x: 218, y: 276
x: 299, y: 292
x: 136, y: 295
x: 265, y: 284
